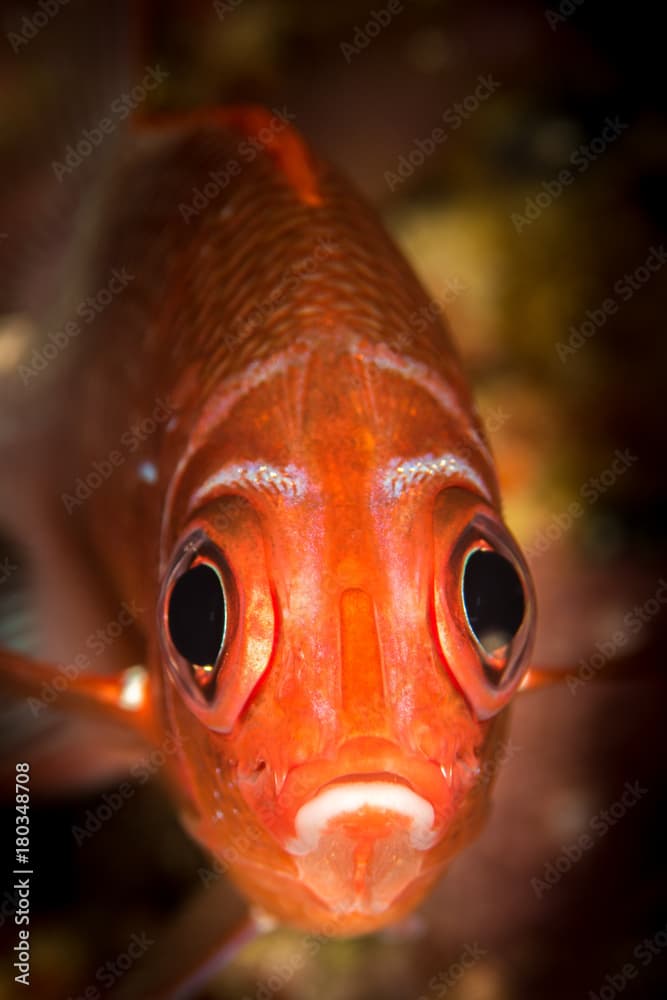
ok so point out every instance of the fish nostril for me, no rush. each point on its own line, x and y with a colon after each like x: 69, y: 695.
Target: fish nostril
x: 252, y: 772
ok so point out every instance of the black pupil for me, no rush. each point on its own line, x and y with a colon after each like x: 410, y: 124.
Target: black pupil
x: 493, y: 598
x: 197, y: 615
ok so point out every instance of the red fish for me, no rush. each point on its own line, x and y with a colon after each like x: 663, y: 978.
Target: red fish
x: 335, y: 614
x: 288, y: 480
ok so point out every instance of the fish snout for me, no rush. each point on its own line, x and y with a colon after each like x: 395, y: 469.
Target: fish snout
x: 359, y: 828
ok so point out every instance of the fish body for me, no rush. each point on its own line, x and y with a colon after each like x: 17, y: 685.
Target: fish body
x: 253, y: 410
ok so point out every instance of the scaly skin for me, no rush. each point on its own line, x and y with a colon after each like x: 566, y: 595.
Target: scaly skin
x: 272, y: 336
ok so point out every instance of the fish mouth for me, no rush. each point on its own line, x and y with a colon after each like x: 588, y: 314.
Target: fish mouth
x: 361, y: 825
x: 361, y: 841
x: 371, y: 805
x: 365, y: 828
x: 368, y: 761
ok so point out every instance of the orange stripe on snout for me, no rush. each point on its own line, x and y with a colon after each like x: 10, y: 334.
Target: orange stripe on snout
x: 362, y: 685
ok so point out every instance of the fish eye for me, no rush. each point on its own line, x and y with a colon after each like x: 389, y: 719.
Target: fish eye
x: 494, y: 602
x: 484, y: 608
x: 494, y: 605
x: 493, y: 599
x: 195, y: 615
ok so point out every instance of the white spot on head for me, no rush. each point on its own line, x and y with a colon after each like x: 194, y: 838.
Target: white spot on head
x: 148, y: 472
x: 287, y: 481
x: 400, y: 474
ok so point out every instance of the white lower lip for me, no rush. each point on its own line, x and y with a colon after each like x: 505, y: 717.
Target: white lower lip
x: 344, y: 798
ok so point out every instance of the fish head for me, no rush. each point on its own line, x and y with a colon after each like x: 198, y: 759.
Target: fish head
x: 344, y: 619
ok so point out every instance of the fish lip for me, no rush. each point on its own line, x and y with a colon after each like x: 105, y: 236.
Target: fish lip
x: 367, y: 776
x: 378, y: 761
x: 329, y: 805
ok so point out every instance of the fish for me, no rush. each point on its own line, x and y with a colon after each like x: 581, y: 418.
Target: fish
x: 286, y: 482
x: 335, y: 746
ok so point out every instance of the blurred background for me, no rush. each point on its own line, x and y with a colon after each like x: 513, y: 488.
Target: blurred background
x: 535, y: 217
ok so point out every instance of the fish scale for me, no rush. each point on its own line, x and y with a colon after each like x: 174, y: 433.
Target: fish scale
x: 337, y: 511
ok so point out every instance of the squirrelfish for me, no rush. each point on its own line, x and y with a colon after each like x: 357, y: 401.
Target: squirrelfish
x: 293, y: 488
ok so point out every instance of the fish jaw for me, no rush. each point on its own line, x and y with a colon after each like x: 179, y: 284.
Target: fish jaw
x: 364, y: 827
x: 358, y: 854
x: 361, y: 842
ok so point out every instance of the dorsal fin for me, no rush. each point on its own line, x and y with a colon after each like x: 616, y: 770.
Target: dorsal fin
x: 260, y: 128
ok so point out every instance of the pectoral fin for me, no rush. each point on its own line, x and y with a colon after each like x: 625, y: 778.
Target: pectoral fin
x: 639, y: 664
x: 121, y: 699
